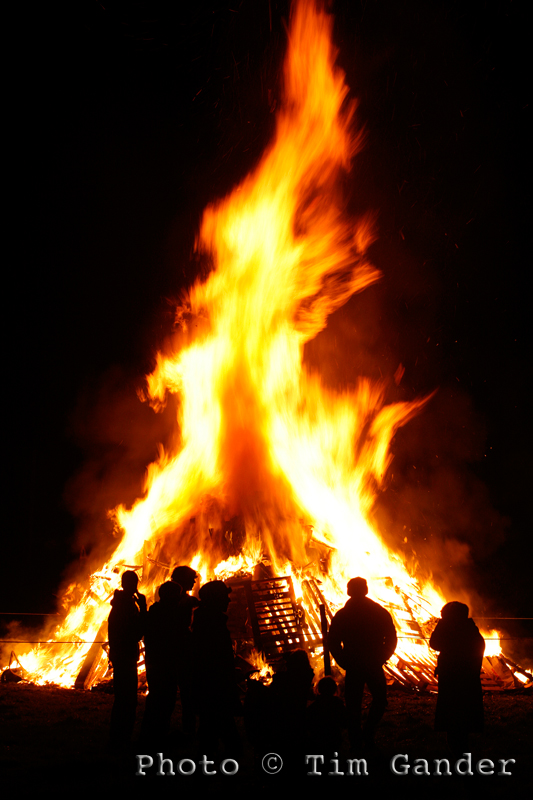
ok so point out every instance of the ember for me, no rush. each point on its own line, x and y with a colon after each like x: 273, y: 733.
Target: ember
x: 272, y: 479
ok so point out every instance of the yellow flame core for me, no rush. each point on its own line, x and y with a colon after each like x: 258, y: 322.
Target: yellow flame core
x: 259, y: 432
x: 260, y: 437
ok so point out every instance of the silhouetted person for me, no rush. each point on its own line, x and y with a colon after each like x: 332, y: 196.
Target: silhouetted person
x: 214, y: 670
x: 186, y: 578
x: 257, y: 716
x: 361, y: 639
x: 125, y: 630
x: 326, y: 719
x: 460, y: 699
x: 290, y: 692
x: 163, y: 643
x: 292, y: 687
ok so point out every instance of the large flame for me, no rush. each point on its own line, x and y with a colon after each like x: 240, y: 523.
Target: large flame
x: 267, y: 459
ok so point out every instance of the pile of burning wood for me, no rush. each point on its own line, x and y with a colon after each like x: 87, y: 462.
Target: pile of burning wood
x: 267, y: 621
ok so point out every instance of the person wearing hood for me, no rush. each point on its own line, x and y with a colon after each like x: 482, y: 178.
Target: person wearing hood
x: 125, y: 630
x: 460, y: 646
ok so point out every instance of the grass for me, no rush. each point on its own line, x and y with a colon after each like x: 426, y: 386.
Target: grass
x: 59, y: 737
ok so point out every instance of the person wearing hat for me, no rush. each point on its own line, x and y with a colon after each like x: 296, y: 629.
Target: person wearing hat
x: 186, y: 577
x: 362, y: 637
x: 214, y: 669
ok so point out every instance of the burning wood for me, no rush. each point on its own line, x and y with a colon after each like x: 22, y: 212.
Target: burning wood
x: 273, y: 464
x: 324, y: 626
x: 277, y: 621
x: 95, y: 664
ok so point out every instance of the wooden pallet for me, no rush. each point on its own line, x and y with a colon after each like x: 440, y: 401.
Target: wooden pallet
x: 278, y: 623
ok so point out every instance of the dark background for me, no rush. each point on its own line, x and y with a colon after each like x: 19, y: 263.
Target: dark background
x: 125, y: 119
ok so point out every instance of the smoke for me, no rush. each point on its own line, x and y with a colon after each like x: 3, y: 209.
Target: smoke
x: 435, y: 509
x: 119, y: 436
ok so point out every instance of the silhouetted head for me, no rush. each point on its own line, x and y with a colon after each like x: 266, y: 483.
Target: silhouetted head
x: 357, y: 587
x: 169, y: 593
x: 129, y: 581
x: 454, y: 611
x: 185, y: 576
x: 298, y: 662
x: 327, y: 687
x: 215, y: 594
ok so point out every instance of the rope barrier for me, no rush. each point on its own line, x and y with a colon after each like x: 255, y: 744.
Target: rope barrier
x: 29, y: 614
x: 19, y: 641
x: 414, y: 638
x: 56, y: 614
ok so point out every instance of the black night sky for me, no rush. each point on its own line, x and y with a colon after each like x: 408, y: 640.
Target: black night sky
x: 126, y: 118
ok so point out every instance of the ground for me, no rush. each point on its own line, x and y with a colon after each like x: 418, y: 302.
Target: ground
x: 59, y: 736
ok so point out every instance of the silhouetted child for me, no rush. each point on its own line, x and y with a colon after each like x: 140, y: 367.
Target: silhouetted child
x: 257, y: 704
x: 326, y: 718
x: 290, y: 692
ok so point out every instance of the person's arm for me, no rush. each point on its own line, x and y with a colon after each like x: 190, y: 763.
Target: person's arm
x: 335, y: 643
x: 390, y: 639
x: 140, y: 600
x: 436, y: 638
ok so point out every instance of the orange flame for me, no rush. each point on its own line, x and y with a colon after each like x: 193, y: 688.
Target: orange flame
x: 258, y: 432
x: 260, y: 437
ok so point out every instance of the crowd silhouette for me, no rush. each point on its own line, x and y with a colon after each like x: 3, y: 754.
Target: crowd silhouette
x: 189, y: 652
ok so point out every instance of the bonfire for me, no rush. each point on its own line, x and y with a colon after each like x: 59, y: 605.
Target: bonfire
x: 271, y: 479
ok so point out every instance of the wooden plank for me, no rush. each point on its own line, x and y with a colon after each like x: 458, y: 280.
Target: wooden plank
x: 92, y: 659
x: 324, y: 626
